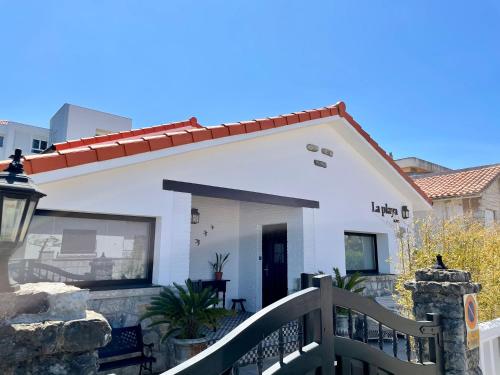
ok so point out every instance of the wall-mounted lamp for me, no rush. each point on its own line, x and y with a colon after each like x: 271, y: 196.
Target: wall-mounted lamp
x: 405, y: 212
x: 195, y: 216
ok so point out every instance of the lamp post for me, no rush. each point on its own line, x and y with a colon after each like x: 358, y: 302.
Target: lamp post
x: 19, y: 197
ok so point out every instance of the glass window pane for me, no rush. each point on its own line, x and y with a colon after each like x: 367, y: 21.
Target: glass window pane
x: 43, y: 145
x: 73, y: 249
x: 12, y: 213
x: 26, y: 224
x: 360, y: 252
x: 1, y: 140
x: 36, y: 143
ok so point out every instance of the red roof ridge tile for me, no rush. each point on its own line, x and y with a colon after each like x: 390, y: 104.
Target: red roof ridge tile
x: 92, y: 149
x: 193, y: 122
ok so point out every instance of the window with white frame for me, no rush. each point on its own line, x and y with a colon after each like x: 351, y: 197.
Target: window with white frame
x: 38, y: 145
x: 361, y: 252
x: 85, y: 249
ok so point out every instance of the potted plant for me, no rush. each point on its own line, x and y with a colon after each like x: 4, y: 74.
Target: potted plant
x: 187, y: 310
x: 218, y: 265
x: 350, y: 283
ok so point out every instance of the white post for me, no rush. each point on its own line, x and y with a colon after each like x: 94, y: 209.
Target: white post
x: 172, y: 242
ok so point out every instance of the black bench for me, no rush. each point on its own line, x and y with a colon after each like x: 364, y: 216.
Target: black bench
x: 126, y: 341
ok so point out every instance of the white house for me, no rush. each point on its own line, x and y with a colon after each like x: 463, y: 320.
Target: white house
x: 288, y: 194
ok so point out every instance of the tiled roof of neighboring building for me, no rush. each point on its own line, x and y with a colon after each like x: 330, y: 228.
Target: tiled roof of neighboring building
x: 99, y: 148
x: 462, y: 182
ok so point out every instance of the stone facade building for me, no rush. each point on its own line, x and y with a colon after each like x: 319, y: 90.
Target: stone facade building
x: 472, y: 191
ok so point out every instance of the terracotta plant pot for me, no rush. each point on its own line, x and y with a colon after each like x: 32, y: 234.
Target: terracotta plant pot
x: 218, y: 276
x: 187, y: 348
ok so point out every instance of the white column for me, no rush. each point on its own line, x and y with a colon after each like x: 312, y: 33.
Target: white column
x: 172, y: 242
x: 308, y: 237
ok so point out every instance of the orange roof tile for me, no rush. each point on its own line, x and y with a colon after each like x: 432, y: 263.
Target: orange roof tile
x: 116, y: 145
x: 458, y: 183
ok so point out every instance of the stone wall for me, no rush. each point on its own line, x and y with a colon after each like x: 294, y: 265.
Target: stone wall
x: 441, y: 291
x: 123, y: 308
x: 46, y: 329
x: 379, y: 285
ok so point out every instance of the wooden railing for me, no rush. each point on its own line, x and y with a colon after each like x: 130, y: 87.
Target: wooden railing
x: 320, y: 348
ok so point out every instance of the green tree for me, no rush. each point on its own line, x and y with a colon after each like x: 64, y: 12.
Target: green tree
x: 465, y: 244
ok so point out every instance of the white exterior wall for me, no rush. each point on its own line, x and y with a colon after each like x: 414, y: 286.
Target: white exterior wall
x: 448, y: 209
x: 490, y: 200
x: 252, y: 218
x: 74, y: 122
x: 269, y: 163
x: 17, y: 135
x: 223, y: 215
x: 237, y: 229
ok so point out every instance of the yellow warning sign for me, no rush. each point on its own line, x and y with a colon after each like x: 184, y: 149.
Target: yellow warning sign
x: 471, y: 320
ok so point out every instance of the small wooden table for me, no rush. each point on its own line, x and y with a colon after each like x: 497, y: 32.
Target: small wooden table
x: 220, y: 286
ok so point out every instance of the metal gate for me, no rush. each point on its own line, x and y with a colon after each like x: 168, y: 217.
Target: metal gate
x: 376, y: 342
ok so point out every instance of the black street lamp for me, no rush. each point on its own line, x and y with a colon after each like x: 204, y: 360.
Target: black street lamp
x: 18, y: 200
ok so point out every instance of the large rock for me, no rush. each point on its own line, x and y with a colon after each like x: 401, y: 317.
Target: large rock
x: 38, y: 302
x: 46, y: 329
x: 27, y: 343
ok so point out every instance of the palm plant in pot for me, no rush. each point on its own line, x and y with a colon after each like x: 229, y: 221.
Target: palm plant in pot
x: 350, y: 283
x: 218, y: 265
x: 187, y: 311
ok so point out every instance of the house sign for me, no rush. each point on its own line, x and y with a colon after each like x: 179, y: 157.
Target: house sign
x: 384, y: 210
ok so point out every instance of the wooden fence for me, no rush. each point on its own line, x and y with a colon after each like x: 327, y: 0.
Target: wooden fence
x: 321, y: 349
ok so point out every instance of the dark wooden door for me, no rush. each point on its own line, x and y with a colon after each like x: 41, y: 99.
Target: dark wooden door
x: 274, y: 263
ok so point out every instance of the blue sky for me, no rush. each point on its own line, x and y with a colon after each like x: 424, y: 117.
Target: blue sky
x: 422, y: 76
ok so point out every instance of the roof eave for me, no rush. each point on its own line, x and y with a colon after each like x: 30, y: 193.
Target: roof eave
x: 84, y: 169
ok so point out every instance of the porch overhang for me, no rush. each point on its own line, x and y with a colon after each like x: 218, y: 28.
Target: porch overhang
x: 237, y: 194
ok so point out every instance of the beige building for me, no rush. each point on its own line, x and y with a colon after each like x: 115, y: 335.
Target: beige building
x: 413, y: 166
x: 474, y: 191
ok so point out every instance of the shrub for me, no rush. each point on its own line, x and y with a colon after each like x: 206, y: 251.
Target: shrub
x: 186, y: 310
x: 464, y: 244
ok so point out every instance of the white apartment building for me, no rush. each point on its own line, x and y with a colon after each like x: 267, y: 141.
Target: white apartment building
x: 69, y: 122
x: 31, y: 139
x: 75, y: 122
